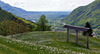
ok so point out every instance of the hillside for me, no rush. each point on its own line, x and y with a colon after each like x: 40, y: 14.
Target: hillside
x: 32, y: 14
x: 81, y: 15
x: 10, y: 24
x: 47, y: 43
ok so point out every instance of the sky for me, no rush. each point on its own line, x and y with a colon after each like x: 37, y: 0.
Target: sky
x: 48, y: 5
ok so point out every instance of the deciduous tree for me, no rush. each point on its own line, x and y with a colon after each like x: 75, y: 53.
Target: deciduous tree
x: 43, y: 24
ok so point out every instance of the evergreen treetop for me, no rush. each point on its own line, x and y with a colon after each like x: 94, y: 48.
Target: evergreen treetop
x: 90, y: 31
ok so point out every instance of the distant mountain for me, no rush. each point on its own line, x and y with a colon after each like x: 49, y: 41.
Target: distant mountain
x: 10, y: 24
x: 81, y: 15
x: 29, y: 14
x: 11, y: 9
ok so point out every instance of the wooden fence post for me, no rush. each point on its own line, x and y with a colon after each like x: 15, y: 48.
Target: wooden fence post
x: 76, y: 36
x: 87, y: 40
x: 67, y: 34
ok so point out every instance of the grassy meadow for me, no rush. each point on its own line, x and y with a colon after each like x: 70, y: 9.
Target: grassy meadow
x: 47, y: 43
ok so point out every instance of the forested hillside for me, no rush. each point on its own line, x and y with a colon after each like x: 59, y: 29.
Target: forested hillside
x: 81, y: 15
x: 10, y: 24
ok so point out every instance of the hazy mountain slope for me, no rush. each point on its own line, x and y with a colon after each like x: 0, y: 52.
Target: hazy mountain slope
x: 29, y: 14
x: 83, y: 14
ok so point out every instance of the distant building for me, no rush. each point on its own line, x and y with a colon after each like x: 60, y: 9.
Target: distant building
x: 33, y: 20
x: 94, y: 34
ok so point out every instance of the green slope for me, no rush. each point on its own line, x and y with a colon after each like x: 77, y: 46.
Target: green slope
x: 10, y: 24
x: 56, y: 42
x: 82, y: 14
x: 9, y: 46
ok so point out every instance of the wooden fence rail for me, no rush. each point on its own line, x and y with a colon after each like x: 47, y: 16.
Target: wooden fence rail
x: 77, y: 28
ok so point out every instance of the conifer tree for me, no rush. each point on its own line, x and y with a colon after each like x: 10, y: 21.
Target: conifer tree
x: 90, y: 31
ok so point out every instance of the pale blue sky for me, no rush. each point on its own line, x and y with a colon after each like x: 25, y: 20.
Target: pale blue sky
x: 48, y: 5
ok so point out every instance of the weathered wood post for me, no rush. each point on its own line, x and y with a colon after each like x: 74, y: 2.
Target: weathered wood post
x: 76, y: 36
x: 87, y: 40
x: 67, y: 34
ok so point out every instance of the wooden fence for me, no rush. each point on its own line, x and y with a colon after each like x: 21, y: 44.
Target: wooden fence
x: 77, y: 29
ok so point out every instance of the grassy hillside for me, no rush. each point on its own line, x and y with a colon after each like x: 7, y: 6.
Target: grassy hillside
x: 82, y: 14
x: 47, y: 43
x: 9, y: 46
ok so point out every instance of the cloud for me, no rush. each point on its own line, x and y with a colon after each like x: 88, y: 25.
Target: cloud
x: 48, y: 5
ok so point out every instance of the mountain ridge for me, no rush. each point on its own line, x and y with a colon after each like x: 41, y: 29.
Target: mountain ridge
x: 81, y: 15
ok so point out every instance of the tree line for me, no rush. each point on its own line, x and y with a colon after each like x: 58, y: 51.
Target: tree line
x: 11, y: 27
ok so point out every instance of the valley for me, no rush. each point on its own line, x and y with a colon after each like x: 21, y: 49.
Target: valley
x: 42, y: 32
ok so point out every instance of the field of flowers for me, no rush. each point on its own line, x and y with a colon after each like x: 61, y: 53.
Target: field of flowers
x: 11, y: 46
x: 47, y: 43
